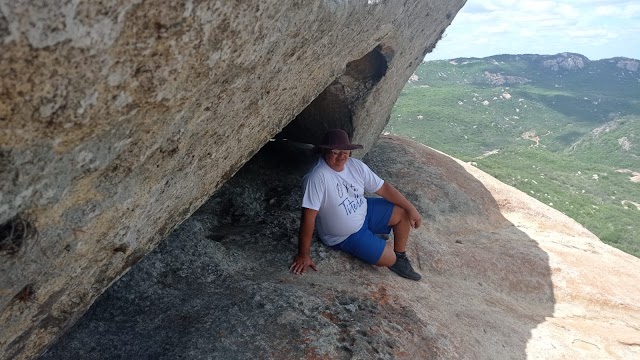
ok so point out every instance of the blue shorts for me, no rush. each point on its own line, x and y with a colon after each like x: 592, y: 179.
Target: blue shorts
x: 364, y: 244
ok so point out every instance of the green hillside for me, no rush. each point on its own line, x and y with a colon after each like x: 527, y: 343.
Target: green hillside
x: 561, y: 128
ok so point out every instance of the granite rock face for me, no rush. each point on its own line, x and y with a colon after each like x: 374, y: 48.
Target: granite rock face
x: 118, y: 119
x: 504, y: 277
x: 566, y: 61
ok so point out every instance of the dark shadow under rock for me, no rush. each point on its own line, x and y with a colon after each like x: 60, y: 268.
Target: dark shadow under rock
x: 219, y: 287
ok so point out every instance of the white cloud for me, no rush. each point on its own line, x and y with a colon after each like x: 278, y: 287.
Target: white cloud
x: 608, y: 10
x: 626, y: 11
x: 498, y: 28
x: 592, y: 33
x: 527, y: 33
x: 536, y: 6
x: 595, y: 28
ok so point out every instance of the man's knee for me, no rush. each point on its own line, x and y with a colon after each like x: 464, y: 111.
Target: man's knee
x: 398, y: 215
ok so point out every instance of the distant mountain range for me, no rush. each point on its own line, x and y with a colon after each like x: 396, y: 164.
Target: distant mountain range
x: 562, y: 128
x: 619, y: 73
x: 566, y: 61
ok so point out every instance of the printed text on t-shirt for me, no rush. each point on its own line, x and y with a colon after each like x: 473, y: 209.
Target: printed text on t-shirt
x: 349, y: 205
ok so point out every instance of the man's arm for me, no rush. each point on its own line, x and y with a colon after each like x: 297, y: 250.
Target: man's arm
x: 392, y: 195
x: 303, y: 259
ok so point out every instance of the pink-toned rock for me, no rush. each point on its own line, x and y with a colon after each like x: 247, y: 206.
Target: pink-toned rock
x: 537, y: 266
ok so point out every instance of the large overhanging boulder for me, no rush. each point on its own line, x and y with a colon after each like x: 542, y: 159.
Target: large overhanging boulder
x: 119, y: 119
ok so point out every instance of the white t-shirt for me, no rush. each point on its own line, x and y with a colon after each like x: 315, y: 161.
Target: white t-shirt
x: 339, y: 198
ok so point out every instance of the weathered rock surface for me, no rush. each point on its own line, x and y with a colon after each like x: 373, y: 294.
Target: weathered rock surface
x: 629, y: 64
x: 566, y: 61
x: 118, y: 119
x: 504, y: 277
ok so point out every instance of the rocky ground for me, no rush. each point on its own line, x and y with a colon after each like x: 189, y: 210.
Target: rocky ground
x: 504, y: 277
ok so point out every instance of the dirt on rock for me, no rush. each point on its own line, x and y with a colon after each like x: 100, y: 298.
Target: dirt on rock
x: 504, y: 277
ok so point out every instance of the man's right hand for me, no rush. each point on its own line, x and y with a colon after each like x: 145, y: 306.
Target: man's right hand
x: 301, y: 263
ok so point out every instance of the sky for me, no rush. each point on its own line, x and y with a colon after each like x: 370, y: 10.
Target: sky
x: 598, y: 29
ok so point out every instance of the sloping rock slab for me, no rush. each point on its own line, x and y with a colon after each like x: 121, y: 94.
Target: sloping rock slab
x: 504, y: 277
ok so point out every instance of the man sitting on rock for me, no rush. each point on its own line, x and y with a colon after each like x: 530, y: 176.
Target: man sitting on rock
x: 346, y: 220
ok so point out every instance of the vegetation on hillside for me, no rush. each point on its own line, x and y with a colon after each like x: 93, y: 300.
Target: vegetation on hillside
x: 568, y: 136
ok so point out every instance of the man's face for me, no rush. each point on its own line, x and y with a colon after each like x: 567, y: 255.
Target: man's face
x: 336, y: 158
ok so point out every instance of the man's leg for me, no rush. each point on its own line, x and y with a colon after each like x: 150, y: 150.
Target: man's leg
x: 400, y: 223
x: 382, y: 217
x: 388, y: 256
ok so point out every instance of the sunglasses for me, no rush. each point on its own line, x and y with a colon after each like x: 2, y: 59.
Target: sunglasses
x: 340, y: 152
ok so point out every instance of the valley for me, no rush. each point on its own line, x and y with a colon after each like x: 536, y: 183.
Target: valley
x: 561, y: 128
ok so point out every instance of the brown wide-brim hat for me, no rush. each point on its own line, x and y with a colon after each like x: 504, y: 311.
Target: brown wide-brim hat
x: 337, y: 139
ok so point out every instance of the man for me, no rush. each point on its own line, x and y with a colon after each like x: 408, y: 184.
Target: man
x: 346, y: 220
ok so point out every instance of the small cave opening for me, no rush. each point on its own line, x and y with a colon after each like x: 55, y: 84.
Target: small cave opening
x: 267, y: 189
x: 262, y: 200
x: 337, y: 105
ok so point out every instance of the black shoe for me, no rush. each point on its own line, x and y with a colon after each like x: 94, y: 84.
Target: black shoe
x: 403, y: 268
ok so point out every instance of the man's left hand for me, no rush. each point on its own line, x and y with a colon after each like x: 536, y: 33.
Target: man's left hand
x: 414, y: 218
